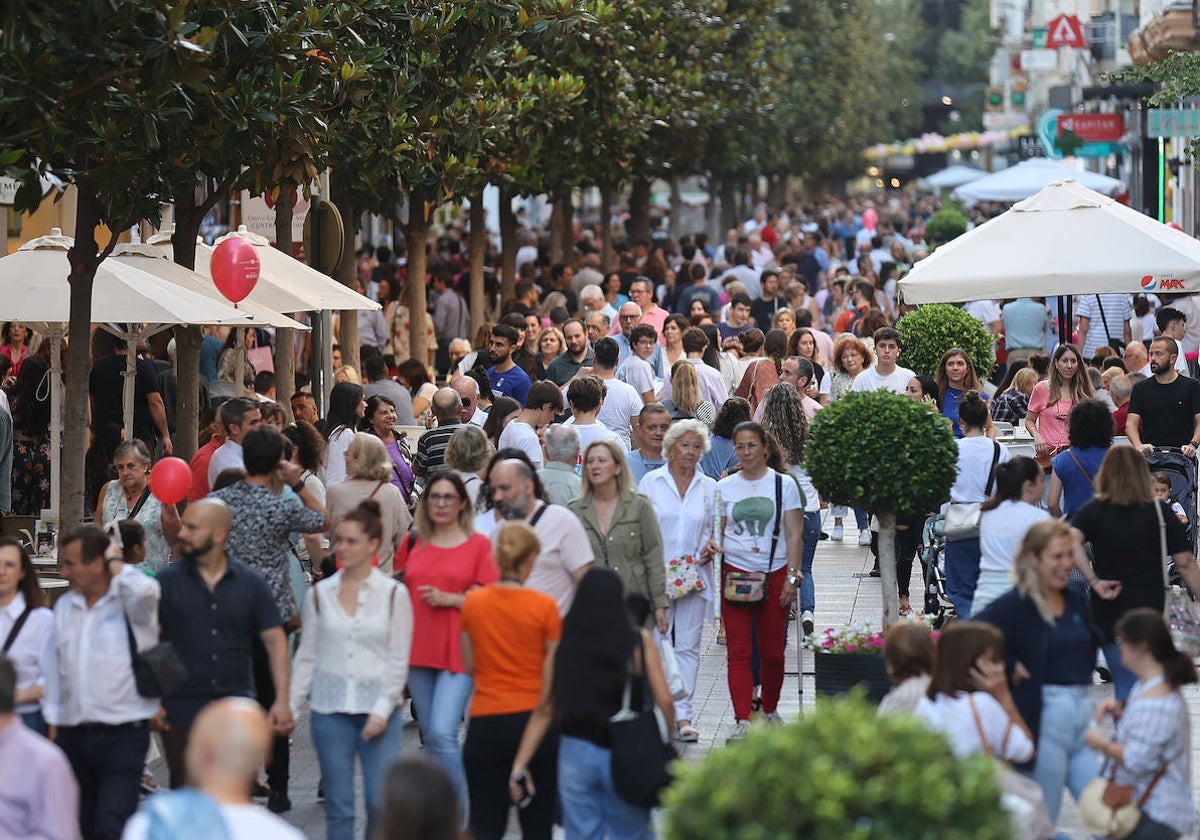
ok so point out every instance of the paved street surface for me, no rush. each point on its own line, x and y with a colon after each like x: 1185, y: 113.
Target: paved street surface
x: 844, y: 593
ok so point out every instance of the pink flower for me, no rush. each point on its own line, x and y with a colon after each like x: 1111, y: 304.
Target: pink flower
x: 851, y: 648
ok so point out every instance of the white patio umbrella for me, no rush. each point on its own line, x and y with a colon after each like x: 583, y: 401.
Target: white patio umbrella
x: 1028, y: 177
x: 36, y: 291
x: 1066, y: 240
x: 954, y: 176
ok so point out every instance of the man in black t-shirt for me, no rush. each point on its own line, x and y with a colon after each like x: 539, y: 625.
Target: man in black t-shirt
x: 1165, y: 409
x: 106, y: 389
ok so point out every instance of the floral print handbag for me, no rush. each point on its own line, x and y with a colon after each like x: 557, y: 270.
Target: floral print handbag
x: 683, y: 577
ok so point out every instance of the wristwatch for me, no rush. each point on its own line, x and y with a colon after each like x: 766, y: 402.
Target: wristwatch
x: 794, y: 579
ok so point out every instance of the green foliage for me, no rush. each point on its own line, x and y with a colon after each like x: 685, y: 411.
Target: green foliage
x: 1178, y: 77
x: 837, y: 774
x: 946, y: 224
x: 883, y: 452
x: 933, y: 329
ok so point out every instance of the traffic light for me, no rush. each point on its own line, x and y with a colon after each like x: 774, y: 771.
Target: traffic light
x: 993, y: 99
x: 1016, y: 95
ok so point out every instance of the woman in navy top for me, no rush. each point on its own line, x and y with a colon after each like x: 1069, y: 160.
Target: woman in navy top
x: 1090, y: 432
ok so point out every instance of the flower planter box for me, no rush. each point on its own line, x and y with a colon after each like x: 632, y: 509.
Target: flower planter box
x: 839, y: 673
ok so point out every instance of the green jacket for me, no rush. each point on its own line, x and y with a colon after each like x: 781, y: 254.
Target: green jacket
x: 632, y: 547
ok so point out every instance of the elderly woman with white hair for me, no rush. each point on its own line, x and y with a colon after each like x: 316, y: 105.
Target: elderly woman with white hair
x: 682, y: 498
x: 369, y: 468
x: 468, y: 454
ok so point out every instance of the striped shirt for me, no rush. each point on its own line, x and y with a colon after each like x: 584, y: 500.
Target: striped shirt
x: 1115, y: 309
x: 431, y: 448
x: 1155, y: 732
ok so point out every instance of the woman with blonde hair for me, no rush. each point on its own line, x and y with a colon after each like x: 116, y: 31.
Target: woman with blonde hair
x: 1126, y: 526
x: 347, y: 373
x: 784, y: 321
x: 1051, y: 401
x: 509, y: 637
x: 1012, y: 404
x: 1051, y: 643
x: 467, y: 454
x: 686, y: 401
x: 369, y: 471
x: 443, y: 562
x: 550, y: 345
x: 621, y: 525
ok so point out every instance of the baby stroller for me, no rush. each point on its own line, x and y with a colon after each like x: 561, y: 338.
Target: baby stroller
x: 933, y: 571
x: 1182, y: 472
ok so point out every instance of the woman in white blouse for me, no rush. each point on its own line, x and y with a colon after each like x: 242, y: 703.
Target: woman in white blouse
x: 353, y: 658
x: 26, y: 629
x: 682, y: 497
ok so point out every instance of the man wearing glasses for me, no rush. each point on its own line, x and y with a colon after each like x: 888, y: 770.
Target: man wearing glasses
x: 641, y: 292
x: 628, y: 317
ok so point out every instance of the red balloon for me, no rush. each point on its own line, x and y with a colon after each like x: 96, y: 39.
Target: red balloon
x: 1174, y: 226
x: 235, y: 268
x: 170, y: 480
x: 870, y: 218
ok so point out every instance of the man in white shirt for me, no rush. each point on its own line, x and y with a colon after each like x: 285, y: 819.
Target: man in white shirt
x: 91, y: 694
x: 712, y: 386
x: 621, y: 401
x: 585, y: 395
x: 468, y: 393
x: 885, y: 373
x: 230, y: 740
x: 742, y: 271
x: 1136, y: 359
x: 238, y: 415
x: 636, y: 370
x: 542, y: 403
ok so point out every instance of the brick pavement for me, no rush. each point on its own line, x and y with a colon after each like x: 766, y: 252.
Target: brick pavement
x: 844, y: 593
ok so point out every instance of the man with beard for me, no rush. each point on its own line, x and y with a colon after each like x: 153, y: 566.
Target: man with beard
x: 566, y: 553
x: 1164, y: 410
x: 211, y: 610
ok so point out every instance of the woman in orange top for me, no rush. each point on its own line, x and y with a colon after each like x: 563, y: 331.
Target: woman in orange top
x: 509, y: 635
x: 446, y: 561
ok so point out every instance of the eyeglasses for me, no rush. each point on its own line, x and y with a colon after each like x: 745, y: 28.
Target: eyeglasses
x: 467, y: 400
x: 443, y: 498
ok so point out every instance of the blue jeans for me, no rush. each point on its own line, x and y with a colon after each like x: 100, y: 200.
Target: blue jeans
x: 962, y: 574
x: 441, y: 698
x: 591, y: 808
x: 812, y: 533
x: 1063, y: 759
x: 1123, y: 678
x: 337, y: 739
x: 34, y: 720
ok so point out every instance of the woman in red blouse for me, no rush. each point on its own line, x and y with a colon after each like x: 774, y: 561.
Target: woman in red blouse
x: 446, y: 560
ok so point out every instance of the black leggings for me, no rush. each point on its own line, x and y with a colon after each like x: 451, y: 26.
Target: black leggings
x: 908, y: 542
x: 488, y: 754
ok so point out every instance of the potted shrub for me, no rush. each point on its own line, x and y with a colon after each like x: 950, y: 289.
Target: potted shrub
x: 931, y: 330
x: 886, y: 453
x: 837, y: 774
x: 944, y: 225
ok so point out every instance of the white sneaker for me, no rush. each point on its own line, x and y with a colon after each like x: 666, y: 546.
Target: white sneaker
x: 739, y: 731
x: 806, y: 622
x: 864, y: 537
x: 837, y: 533
x: 772, y: 719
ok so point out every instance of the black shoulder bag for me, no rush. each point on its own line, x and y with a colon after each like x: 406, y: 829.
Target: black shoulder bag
x: 1117, y: 343
x: 16, y: 628
x: 641, y: 750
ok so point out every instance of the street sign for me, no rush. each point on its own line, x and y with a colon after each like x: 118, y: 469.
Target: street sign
x: 1039, y: 37
x: 1093, y: 128
x: 1173, y: 122
x: 1065, y: 31
x: 8, y: 190
x: 1039, y: 59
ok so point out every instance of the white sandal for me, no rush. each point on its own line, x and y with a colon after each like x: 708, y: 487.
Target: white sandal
x: 686, y: 733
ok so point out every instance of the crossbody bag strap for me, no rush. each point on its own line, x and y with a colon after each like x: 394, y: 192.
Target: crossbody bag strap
x: 1091, y: 483
x: 137, y: 508
x: 1162, y: 545
x: 987, y: 491
x: 987, y: 748
x: 1145, y: 797
x: 537, y: 514
x: 778, y: 520
x: 1104, y: 320
x: 16, y: 628
x: 377, y: 486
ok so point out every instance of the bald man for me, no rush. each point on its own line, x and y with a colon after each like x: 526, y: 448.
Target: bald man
x: 211, y: 610
x: 1137, y: 359
x: 431, y: 448
x: 230, y: 739
x: 468, y: 394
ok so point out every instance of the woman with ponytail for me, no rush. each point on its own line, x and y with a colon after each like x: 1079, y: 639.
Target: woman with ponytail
x: 1151, y: 751
x: 1005, y: 518
x: 763, y: 373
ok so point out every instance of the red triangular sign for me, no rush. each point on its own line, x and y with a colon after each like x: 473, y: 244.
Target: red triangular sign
x: 1065, y: 31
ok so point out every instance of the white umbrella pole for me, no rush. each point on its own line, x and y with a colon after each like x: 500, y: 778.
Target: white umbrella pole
x: 131, y: 341
x: 54, y: 334
x: 239, y: 369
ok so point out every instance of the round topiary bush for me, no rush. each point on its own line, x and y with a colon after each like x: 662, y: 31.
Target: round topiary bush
x: 931, y: 330
x: 837, y: 774
x: 883, y: 452
x: 944, y: 225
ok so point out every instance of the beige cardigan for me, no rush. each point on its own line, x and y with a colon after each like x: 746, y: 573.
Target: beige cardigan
x: 344, y: 497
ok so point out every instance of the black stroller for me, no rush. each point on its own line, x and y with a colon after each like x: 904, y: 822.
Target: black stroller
x: 938, y: 608
x: 1182, y: 472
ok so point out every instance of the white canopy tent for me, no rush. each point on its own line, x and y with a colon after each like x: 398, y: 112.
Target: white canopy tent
x: 1028, y: 177
x: 1066, y: 240
x: 953, y: 176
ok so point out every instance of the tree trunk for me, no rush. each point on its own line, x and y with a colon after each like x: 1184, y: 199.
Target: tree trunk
x: 776, y: 191
x: 566, y: 221
x: 887, y: 568
x: 188, y: 216
x: 347, y: 337
x: 557, y: 247
x: 476, y: 240
x: 84, y: 259
x: 639, y: 209
x: 508, y: 245
x: 676, y: 213
x: 608, y: 260
x: 416, y: 233
x: 285, y: 337
x: 728, y: 208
